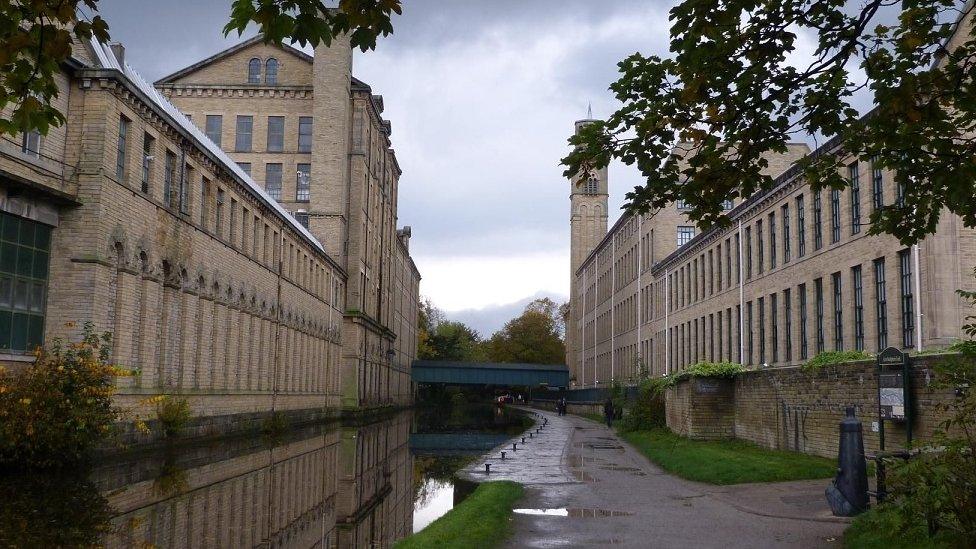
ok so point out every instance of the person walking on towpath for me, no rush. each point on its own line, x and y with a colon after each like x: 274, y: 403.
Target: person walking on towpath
x: 608, y: 412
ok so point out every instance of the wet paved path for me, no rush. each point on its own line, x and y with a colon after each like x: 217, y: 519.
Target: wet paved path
x: 599, y: 491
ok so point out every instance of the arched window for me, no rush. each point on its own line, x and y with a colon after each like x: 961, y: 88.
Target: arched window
x: 254, y: 71
x: 271, y: 72
x: 592, y: 186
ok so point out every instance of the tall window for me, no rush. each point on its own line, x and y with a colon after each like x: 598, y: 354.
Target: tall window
x: 858, y: 308
x: 817, y: 222
x: 245, y: 128
x: 834, y: 216
x: 819, y: 298
x: 788, y: 325
x: 855, y: 178
x: 762, y: 330
x: 728, y: 322
x: 169, y: 173
x: 276, y: 133
x: 120, y: 151
x: 272, y: 180
x: 748, y: 253
x: 204, y: 202
x: 302, y: 218
x: 24, y: 251
x: 881, y: 302
x: 254, y: 71
x: 900, y: 191
x: 759, y: 248
x: 877, y: 184
x: 838, y: 313
x: 738, y: 270
x: 219, y: 214
x: 749, y: 337
x: 685, y: 234
x: 30, y: 143
x: 728, y: 261
x: 772, y: 240
x: 682, y: 205
x: 185, y: 177
x: 246, y: 167
x: 774, y: 326
x: 592, y: 186
x: 785, y: 215
x: 727, y: 204
x: 303, y: 176
x: 738, y: 318
x: 801, y: 293
x: 271, y: 72
x: 718, y: 261
x: 304, y: 134
x: 907, y: 303
x: 215, y: 124
x: 148, y: 144
x: 801, y: 229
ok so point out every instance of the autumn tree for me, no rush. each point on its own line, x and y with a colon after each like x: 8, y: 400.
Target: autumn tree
x: 735, y: 87
x: 36, y: 38
x: 442, y: 339
x: 534, y: 337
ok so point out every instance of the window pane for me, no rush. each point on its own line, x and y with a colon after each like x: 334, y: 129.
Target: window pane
x: 18, y: 335
x: 276, y: 133
x: 6, y: 287
x: 6, y: 326
x: 37, y: 297
x: 242, y: 141
x: 35, y: 332
x: 8, y: 257
x: 40, y: 264
x: 21, y: 296
x: 214, y: 126
x: 25, y: 261
x: 11, y: 227
x: 42, y: 237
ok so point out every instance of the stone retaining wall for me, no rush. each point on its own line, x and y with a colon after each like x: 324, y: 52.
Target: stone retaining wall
x: 786, y: 408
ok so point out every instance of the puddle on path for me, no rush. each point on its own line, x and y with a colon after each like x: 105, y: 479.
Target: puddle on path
x: 572, y: 512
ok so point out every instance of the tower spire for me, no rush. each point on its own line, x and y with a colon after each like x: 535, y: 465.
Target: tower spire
x: 589, y: 111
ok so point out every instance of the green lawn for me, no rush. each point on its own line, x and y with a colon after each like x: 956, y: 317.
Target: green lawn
x: 482, y: 520
x: 726, y: 461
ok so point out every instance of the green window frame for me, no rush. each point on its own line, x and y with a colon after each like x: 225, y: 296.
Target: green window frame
x: 25, y: 247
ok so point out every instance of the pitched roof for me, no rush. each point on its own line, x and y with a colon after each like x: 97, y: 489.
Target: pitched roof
x: 106, y: 59
x: 169, y: 79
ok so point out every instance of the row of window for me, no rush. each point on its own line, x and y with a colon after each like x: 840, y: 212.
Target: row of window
x: 270, y: 71
x: 231, y: 220
x: 769, y: 335
x: 244, y: 133
x: 273, y: 177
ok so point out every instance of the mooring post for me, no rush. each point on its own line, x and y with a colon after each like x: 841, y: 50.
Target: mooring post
x: 487, y: 468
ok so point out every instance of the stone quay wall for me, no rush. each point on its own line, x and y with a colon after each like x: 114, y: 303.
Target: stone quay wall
x: 789, y: 409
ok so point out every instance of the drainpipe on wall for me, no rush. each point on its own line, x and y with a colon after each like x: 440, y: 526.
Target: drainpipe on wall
x: 613, y: 293
x: 918, y: 299
x: 742, y: 305
x: 667, y: 329
x: 640, y: 268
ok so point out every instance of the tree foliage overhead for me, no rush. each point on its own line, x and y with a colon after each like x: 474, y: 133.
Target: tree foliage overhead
x: 534, y: 337
x: 441, y: 339
x: 36, y: 37
x: 735, y: 87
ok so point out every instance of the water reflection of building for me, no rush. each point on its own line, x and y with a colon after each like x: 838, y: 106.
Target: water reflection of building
x: 375, y: 503
x: 320, y: 487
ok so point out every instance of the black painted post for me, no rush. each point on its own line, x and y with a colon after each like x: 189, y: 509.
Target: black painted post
x: 503, y: 454
x: 523, y: 440
x: 487, y: 468
x: 514, y: 447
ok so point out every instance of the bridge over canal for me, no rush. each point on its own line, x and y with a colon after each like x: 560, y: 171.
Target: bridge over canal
x: 490, y: 374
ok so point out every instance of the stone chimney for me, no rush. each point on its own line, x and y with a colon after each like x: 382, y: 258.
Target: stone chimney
x: 331, y: 119
x: 119, y: 51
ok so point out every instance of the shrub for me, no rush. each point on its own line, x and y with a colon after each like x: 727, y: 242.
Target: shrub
x: 58, y: 408
x: 834, y: 357
x: 647, y: 410
x: 701, y: 369
x: 173, y: 414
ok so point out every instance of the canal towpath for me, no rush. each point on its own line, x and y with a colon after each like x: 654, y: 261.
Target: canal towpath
x: 585, y: 487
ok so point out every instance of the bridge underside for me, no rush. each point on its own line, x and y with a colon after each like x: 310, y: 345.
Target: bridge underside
x: 489, y: 373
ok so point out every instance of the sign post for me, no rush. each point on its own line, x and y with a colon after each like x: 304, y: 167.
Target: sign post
x: 893, y: 391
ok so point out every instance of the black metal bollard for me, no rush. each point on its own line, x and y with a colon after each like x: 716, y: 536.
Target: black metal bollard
x: 503, y: 454
x: 514, y: 447
x: 847, y: 494
x: 530, y: 435
x: 487, y: 468
x: 523, y: 440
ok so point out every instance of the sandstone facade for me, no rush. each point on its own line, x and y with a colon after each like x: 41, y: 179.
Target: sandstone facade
x: 794, y: 274
x: 314, y: 137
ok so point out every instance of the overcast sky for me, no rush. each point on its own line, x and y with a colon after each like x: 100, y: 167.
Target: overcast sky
x: 482, y: 96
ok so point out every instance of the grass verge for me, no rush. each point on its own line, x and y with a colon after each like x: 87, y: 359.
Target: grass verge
x: 726, y: 461
x: 482, y: 520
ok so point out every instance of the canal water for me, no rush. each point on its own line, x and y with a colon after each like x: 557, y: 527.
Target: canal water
x: 364, y: 485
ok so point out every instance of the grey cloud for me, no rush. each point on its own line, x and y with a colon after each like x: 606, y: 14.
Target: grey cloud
x: 488, y: 320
